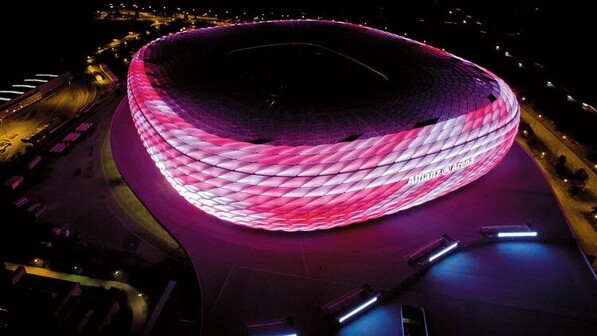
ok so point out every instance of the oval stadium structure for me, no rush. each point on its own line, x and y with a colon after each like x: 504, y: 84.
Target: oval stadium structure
x: 307, y: 125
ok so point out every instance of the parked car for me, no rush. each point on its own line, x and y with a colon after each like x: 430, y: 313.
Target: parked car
x: 36, y: 209
x: 19, y: 203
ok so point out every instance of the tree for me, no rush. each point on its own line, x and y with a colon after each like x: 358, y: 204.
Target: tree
x: 581, y: 175
x: 574, y: 190
x: 561, y: 169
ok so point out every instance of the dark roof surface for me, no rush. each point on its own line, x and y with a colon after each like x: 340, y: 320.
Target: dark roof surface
x: 310, y: 82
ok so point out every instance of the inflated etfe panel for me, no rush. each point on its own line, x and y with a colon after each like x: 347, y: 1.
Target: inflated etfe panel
x: 309, y: 125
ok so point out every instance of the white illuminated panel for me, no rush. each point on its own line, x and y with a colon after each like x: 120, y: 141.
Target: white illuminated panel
x: 357, y: 309
x: 23, y: 86
x: 442, y: 252
x: 517, y: 234
x: 46, y: 75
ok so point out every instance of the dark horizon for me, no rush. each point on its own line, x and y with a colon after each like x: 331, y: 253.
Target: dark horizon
x: 556, y: 38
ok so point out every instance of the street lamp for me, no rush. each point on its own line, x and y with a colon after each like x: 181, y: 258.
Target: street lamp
x: 3, y: 127
x: 559, y: 143
x: 557, y: 148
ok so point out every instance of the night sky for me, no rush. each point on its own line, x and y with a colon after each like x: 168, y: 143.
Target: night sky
x: 558, y: 36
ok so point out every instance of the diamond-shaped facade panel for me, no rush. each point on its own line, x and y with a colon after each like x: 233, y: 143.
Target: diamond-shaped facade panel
x: 308, y: 125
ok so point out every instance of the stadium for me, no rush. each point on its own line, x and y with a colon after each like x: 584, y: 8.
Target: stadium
x: 308, y: 125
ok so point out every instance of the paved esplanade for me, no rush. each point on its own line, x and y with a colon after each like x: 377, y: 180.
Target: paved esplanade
x: 247, y: 275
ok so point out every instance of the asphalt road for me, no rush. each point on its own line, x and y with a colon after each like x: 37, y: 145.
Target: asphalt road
x: 583, y: 231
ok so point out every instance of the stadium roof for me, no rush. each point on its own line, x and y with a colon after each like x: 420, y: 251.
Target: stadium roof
x: 311, y: 82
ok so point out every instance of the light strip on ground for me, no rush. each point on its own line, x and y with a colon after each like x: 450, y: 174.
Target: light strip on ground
x: 442, y: 252
x: 517, y: 234
x: 24, y: 86
x: 46, y: 75
x: 5, y: 99
x: 36, y: 80
x: 12, y: 91
x: 357, y: 309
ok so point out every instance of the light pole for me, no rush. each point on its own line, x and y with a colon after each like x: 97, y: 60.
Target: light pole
x: 560, y: 140
x: 3, y: 127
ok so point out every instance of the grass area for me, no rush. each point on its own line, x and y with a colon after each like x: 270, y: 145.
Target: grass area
x: 132, y: 206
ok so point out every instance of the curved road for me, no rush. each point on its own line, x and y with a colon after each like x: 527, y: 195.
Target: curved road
x: 583, y: 231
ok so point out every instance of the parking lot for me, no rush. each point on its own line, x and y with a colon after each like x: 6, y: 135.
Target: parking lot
x: 42, y: 116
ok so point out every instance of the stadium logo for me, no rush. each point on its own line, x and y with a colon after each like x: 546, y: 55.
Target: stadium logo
x: 424, y: 177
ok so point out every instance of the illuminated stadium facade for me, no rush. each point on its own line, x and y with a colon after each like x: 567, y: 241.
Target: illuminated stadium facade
x: 307, y: 125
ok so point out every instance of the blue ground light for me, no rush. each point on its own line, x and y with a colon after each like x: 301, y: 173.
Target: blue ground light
x: 508, y: 288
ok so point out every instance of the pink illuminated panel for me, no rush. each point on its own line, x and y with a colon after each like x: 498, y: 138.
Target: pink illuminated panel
x: 302, y: 188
